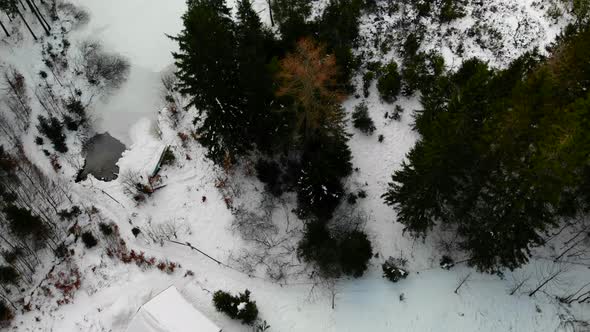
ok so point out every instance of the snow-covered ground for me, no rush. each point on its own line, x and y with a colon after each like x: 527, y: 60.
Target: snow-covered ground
x: 192, y: 208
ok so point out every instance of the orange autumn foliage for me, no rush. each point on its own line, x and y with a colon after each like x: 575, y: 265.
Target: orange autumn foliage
x: 308, y: 75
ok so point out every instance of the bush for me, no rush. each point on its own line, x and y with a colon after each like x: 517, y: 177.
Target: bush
x: 368, y: 78
x: 61, y: 251
x: 105, y: 229
x: 89, y: 240
x: 236, y: 307
x: 8, y: 275
x: 349, y: 255
x: 361, y: 119
x: 397, y: 113
x: 135, y: 231
x: 100, y: 67
x: 446, y: 262
x: 393, y: 271
x: 6, y: 315
x: 39, y: 140
x: 355, y: 253
x: 319, y: 247
x: 71, y: 124
x: 168, y: 158
x: 389, y: 84
x: 53, y: 129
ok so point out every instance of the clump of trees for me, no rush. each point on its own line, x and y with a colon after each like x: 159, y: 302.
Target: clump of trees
x: 239, y: 307
x: 503, y: 154
x: 52, y: 128
x: 293, y: 114
x: 389, y: 82
x: 337, y: 248
x: 361, y: 119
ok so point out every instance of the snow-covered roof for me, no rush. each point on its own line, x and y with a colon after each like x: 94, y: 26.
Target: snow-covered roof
x: 169, y: 311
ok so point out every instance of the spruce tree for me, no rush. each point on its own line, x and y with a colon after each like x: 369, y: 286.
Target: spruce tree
x: 208, y: 74
x: 502, y: 154
x: 256, y: 47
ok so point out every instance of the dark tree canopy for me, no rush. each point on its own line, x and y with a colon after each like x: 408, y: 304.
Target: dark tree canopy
x: 501, y: 153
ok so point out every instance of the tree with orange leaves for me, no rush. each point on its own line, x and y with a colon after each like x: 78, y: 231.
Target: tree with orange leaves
x: 309, y: 77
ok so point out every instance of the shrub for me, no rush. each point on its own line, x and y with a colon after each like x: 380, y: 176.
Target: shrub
x: 8, y: 275
x: 53, y: 129
x: 352, y: 198
x: 6, y: 315
x: 389, y: 84
x: 135, y: 231
x: 39, y: 140
x: 446, y: 262
x: 236, y: 307
x: 61, y: 251
x: 105, y: 229
x: 397, y: 113
x: 355, y: 252
x: 393, y: 271
x: 101, y: 67
x: 70, y: 214
x: 361, y: 119
x: 168, y: 158
x: 89, y: 240
x: 319, y: 247
x: 368, y: 78
x: 71, y: 124
x: 348, y: 254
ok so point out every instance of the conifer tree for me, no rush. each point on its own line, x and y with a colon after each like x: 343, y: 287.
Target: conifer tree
x: 256, y: 47
x: 502, y: 153
x: 308, y: 77
x: 208, y: 74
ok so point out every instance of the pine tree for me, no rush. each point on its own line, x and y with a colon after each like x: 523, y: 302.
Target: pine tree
x: 256, y: 47
x: 292, y: 16
x: 308, y: 77
x: 26, y: 226
x: 208, y: 74
x: 500, y: 153
x: 52, y: 128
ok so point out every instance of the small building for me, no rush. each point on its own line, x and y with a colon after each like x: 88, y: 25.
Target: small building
x: 169, y: 311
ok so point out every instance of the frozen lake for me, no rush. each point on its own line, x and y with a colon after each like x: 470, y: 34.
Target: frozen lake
x: 141, y: 38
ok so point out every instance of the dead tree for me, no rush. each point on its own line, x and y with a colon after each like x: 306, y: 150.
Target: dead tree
x: 463, y: 281
x: 551, y: 274
x: 4, y: 28
x: 17, y: 101
x: 27, y: 24
x: 576, y: 244
x: 38, y: 17
x: 518, y: 282
x: 582, y: 295
x: 40, y: 14
x: 272, y: 22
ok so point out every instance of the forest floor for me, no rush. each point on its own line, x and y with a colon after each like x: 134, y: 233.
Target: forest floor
x: 193, y: 208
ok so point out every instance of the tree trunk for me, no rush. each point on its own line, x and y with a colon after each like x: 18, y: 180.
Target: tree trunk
x: 38, y: 17
x: 27, y: 24
x: 272, y: 22
x: 40, y: 14
x: 4, y: 28
x: 22, y: 4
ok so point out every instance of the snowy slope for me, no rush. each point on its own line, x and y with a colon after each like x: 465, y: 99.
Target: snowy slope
x: 193, y: 208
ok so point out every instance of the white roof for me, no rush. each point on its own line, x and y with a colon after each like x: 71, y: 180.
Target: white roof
x: 169, y: 311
